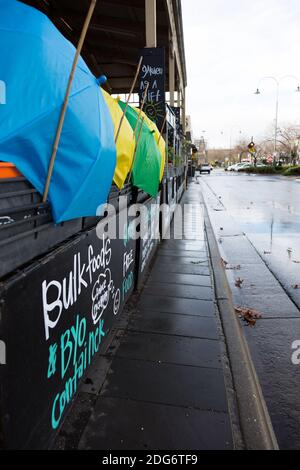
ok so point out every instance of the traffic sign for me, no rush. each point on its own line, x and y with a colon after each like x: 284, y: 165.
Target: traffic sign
x: 251, y: 147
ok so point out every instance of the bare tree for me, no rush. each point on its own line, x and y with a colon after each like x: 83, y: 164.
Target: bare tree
x: 288, y: 138
x: 241, y: 149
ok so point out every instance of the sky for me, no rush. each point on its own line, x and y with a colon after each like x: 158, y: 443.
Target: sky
x: 230, y: 46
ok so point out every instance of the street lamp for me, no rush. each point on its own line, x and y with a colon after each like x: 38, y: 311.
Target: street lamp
x: 277, y: 81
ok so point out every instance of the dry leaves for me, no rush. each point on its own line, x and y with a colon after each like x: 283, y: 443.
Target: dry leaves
x: 249, y: 315
x: 239, y: 282
x: 226, y: 265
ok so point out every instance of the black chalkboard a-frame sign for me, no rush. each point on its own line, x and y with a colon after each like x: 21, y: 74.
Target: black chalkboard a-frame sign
x: 153, y: 72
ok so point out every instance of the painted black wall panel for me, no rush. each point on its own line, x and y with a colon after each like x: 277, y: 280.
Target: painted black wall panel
x: 54, y: 318
x: 148, y: 244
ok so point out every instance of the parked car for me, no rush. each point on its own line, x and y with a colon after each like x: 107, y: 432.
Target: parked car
x: 261, y: 165
x: 230, y: 167
x: 246, y: 166
x: 205, y: 168
x: 243, y: 166
x: 235, y: 166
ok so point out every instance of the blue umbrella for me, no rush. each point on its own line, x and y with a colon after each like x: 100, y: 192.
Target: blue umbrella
x: 35, y: 64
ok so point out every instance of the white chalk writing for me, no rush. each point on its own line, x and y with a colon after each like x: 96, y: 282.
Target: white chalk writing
x: 58, y: 295
x: 149, y: 71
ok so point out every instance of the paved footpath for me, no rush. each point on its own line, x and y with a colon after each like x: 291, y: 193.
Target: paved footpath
x: 159, y: 384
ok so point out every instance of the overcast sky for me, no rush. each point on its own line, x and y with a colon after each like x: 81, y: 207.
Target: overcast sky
x: 230, y: 45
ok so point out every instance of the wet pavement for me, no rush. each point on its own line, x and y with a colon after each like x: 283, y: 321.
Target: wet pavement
x: 256, y: 220
x: 267, y: 209
x: 160, y: 383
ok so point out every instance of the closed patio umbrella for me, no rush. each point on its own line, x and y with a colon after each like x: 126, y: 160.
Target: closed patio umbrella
x: 126, y: 141
x: 158, y: 139
x: 35, y: 64
x: 147, y: 162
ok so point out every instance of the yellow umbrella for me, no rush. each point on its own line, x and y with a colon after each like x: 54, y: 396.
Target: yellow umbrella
x: 159, y: 140
x: 126, y: 141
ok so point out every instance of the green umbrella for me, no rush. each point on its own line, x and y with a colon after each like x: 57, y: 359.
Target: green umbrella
x: 147, y: 161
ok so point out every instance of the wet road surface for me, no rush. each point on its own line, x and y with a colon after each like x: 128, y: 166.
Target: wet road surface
x: 256, y: 221
x: 267, y: 209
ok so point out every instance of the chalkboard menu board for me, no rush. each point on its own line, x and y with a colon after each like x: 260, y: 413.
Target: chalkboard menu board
x: 54, y: 319
x: 153, y: 73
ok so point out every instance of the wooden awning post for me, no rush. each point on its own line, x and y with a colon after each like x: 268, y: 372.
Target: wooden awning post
x: 67, y: 95
x: 129, y: 97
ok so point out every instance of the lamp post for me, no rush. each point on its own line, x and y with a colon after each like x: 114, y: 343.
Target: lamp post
x: 278, y: 82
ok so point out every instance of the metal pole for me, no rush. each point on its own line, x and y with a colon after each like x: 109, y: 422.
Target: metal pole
x: 129, y: 97
x: 276, y: 117
x: 67, y: 95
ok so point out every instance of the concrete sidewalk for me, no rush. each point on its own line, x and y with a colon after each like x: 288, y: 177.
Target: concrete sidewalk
x: 160, y: 382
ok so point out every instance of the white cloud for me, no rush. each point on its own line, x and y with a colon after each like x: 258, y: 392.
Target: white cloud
x: 230, y: 45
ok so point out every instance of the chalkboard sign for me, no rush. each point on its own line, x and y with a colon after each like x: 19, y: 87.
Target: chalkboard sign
x: 54, y: 318
x: 153, y: 73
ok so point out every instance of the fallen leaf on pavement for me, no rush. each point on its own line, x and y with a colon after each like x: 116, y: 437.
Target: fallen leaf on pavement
x: 226, y: 265
x: 234, y: 268
x: 249, y: 315
x: 239, y: 282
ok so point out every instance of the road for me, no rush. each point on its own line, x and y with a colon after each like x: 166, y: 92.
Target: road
x: 267, y: 209
x: 256, y: 220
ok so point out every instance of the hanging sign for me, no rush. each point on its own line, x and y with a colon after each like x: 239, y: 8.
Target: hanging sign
x: 153, y: 74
